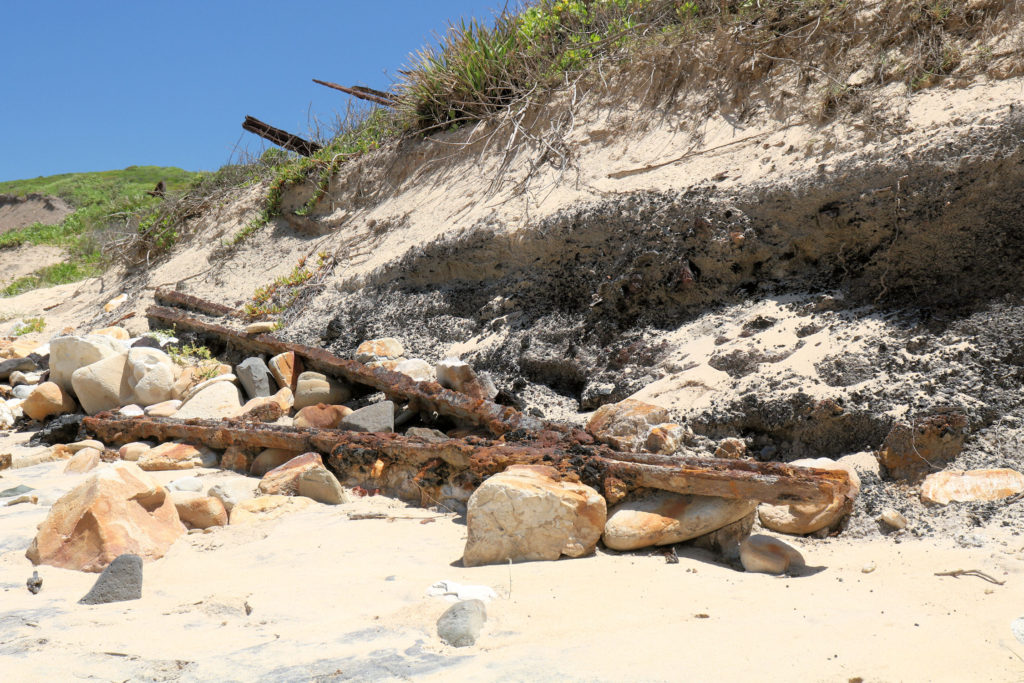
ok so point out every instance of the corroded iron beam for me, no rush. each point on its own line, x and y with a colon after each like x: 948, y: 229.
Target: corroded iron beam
x: 281, y: 138
x: 609, y: 471
x: 425, y: 397
x: 172, y: 297
x: 368, y: 94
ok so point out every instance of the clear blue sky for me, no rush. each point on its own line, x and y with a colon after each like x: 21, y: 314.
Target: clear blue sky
x: 93, y: 85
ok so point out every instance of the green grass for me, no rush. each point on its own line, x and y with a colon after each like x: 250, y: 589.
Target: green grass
x: 30, y: 325
x: 100, y: 199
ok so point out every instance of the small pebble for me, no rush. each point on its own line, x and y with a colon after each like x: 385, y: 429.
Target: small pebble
x: 868, y: 568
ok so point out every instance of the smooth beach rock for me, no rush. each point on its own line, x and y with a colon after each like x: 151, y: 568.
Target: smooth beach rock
x: 118, y: 333
x: 667, y: 438
x: 103, y: 384
x: 30, y: 378
x: 232, y: 491
x: 313, y: 388
x: 892, y: 518
x: 379, y: 417
x: 48, y: 399
x: 321, y: 416
x: 261, y: 327
x: 132, y: 451
x: 379, y: 349
x: 198, y: 511
x: 150, y: 375
x: 120, y: 581
x: 85, y: 443
x: 322, y: 486
x: 417, y: 368
x: 205, y: 384
x: 283, y: 398
x: 283, y: 479
x: 176, y: 456
x: 12, y: 365
x: 255, y: 377
x: 268, y: 459
x: 164, y: 408
x: 237, y: 459
x: 193, y: 484
x: 119, y: 509
x: 68, y: 354
x: 266, y: 508
x: 805, y: 518
x: 215, y: 402
x: 943, y: 488
x: 525, y: 514
x: 458, y: 375
x: 625, y: 425
x: 662, y: 518
x: 84, y: 460
x: 767, y: 555
x: 286, y: 369
x: 460, y: 625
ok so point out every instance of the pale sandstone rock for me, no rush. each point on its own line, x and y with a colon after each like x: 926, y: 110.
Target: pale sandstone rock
x: 131, y: 410
x: 662, y: 518
x: 910, y: 451
x: 893, y: 518
x: 206, y: 384
x: 237, y: 459
x: 113, y: 332
x: 458, y: 375
x: 283, y: 479
x: 266, y: 508
x: 666, y: 438
x: 82, y: 461
x: 115, y: 302
x: 217, y: 401
x: 176, y: 456
x: 322, y: 486
x: 283, y: 398
x: 313, y: 388
x: 767, y: 555
x: 379, y: 349
x: 624, y: 425
x: 962, y: 486
x: 151, y: 375
x: 524, y: 514
x: 731, y: 448
x: 268, y: 459
x: 286, y: 369
x: 261, y: 327
x: 102, y: 385
x: 864, y: 463
x: 804, y: 518
x: 321, y: 416
x: 197, y: 511
x: 164, y: 408
x: 390, y: 365
x: 119, y: 509
x: 68, y: 354
x: 417, y: 368
x: 28, y: 378
x: 132, y: 451
x: 232, y: 491
x: 48, y: 399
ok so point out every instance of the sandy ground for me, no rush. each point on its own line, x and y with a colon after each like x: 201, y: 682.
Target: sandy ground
x: 332, y: 598
x: 19, y: 212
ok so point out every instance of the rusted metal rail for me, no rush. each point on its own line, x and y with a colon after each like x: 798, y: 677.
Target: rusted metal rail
x: 172, y: 297
x: 428, y: 397
x: 281, y: 138
x: 611, y: 472
x: 363, y: 93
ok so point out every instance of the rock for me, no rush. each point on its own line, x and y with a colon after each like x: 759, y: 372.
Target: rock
x: 417, y: 368
x: 237, y: 459
x: 662, y: 518
x: 282, y: 398
x: 9, y: 367
x: 286, y: 369
x: 322, y: 486
x: 460, y: 625
x: 7, y: 418
x: 388, y: 365
x: 268, y: 459
x: 215, y: 402
x: 193, y: 484
x: 132, y: 451
x: 150, y: 375
x: 892, y: 518
x: 103, y: 384
x: 22, y: 391
x: 726, y: 541
x: 255, y: 377
x: 283, y: 479
x: 16, y: 491
x: 131, y: 410
x: 120, y: 581
x: 807, y: 518
x: 321, y: 416
x: 63, y: 429
x: 28, y: 378
x: 34, y: 583
x: 119, y: 509
x: 427, y: 434
x: 379, y: 349
x: 147, y: 342
x: 624, y: 425
x: 48, y: 399
x: 261, y: 327
x: 313, y: 388
x: 731, y: 448
x: 912, y: 451
x: 865, y: 464
x: 176, y: 456
x: 266, y: 508
x: 115, y: 302
x: 206, y: 384
x: 84, y: 460
x: 164, y: 408
x: 667, y: 438
x: 118, y: 333
x: 32, y: 498
x: 198, y: 511
x: 525, y: 514
x: 232, y: 491
x: 68, y: 354
x: 379, y: 417
x: 767, y: 555
x: 86, y: 443
x: 6, y: 459
x: 458, y: 375
x: 943, y: 488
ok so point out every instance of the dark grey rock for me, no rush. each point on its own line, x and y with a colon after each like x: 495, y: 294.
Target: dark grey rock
x: 254, y: 375
x: 427, y: 434
x: 34, y: 583
x: 380, y: 417
x: 121, y: 580
x: 147, y: 342
x: 461, y: 623
x: 22, y: 364
x: 15, y: 491
x: 63, y: 429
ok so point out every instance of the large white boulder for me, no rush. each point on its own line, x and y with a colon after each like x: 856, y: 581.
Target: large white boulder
x: 68, y: 354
